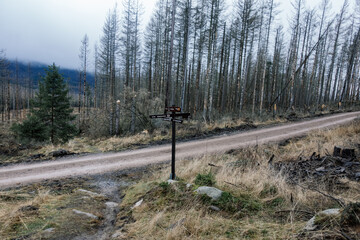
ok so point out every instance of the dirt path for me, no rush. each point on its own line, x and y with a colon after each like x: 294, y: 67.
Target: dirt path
x: 107, y: 162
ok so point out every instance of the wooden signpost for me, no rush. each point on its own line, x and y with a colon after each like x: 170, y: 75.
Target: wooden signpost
x: 173, y: 117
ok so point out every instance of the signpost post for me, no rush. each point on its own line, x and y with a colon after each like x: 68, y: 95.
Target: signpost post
x: 172, y: 175
x: 174, y: 112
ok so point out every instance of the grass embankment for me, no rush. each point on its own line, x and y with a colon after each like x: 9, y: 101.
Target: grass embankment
x: 13, y: 151
x: 258, y: 202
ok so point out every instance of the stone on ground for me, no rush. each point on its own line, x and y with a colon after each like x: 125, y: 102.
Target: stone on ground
x: 310, y: 225
x: 211, y: 192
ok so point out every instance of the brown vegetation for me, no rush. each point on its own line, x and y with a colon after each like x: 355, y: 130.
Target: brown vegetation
x: 260, y: 202
x: 271, y: 206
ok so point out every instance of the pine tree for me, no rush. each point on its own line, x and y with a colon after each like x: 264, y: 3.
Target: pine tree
x: 50, y: 116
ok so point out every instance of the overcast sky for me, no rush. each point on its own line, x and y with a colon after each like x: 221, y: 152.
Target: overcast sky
x: 50, y: 31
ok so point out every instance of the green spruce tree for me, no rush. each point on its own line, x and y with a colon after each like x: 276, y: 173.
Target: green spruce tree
x: 51, y: 115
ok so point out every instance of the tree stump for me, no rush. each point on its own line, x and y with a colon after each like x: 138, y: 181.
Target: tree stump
x: 344, y: 152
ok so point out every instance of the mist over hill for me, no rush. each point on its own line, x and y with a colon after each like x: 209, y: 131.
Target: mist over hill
x: 37, y: 70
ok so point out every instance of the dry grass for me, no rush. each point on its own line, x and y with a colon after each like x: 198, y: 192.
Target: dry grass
x: 244, y: 172
x: 18, y: 210
x: 25, y: 215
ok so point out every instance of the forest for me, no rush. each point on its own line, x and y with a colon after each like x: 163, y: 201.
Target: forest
x: 212, y: 59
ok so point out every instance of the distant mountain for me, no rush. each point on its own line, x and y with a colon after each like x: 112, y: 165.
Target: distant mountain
x: 37, y: 71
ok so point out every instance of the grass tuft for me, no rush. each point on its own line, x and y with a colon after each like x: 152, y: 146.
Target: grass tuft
x: 207, y: 179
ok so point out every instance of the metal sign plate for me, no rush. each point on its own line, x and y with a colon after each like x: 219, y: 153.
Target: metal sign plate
x: 173, y: 109
x: 177, y: 120
x: 160, y: 116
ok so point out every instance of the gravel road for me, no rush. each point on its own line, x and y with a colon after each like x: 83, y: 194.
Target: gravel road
x: 106, y: 162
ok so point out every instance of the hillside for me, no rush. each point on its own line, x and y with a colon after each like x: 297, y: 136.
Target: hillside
x: 37, y: 70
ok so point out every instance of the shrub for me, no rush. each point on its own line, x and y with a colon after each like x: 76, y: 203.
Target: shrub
x: 205, y: 179
x: 31, y: 128
x: 228, y: 202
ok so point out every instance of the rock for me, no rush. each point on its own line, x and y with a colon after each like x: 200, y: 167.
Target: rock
x: 212, y: 192
x: 111, y: 204
x: 137, y: 204
x: 189, y: 185
x: 93, y: 194
x: 49, y: 230
x: 214, y: 208
x: 310, y: 225
x: 85, y: 214
x: 320, y: 169
x: 170, y: 181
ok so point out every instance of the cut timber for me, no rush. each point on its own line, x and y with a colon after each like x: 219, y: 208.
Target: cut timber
x: 344, y: 152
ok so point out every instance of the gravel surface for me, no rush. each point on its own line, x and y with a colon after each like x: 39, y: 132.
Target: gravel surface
x: 20, y: 174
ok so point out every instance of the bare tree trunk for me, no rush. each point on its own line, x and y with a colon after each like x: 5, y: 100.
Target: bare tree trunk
x: 351, y: 63
x: 170, y: 59
x: 221, y: 79
x: 186, y: 49
x: 265, y: 56
x: 79, y: 101
x: 95, y: 76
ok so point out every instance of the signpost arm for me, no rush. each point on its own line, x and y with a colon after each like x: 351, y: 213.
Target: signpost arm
x: 173, y: 148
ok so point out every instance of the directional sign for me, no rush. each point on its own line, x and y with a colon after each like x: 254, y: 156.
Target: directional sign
x: 160, y: 116
x: 175, y: 112
x: 173, y: 109
x: 177, y: 120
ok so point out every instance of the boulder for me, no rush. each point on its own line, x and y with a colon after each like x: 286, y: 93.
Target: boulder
x: 211, y: 192
x: 310, y: 225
